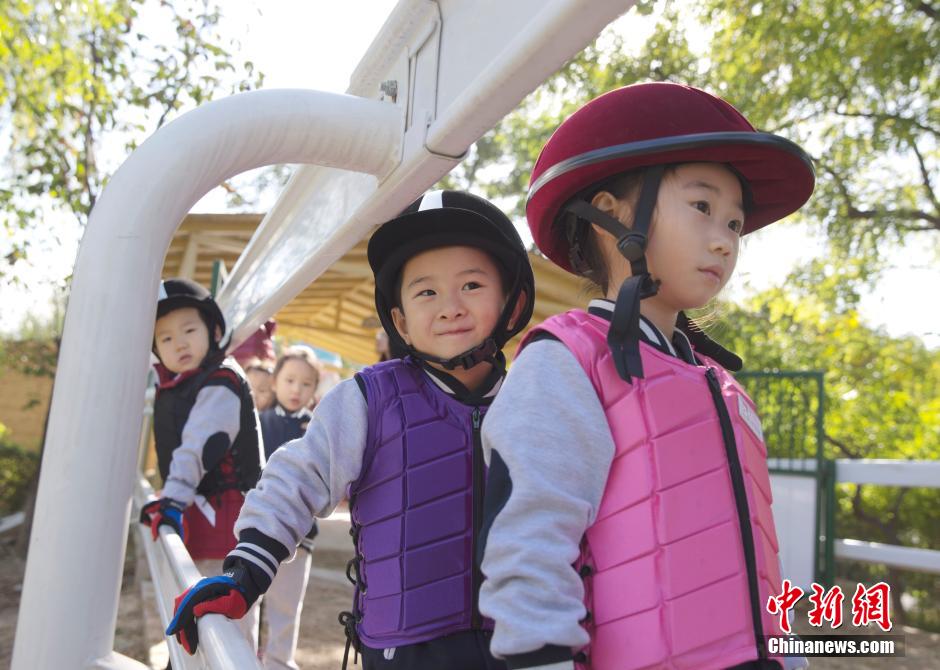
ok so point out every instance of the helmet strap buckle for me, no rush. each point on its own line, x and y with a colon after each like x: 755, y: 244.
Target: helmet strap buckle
x: 632, y: 246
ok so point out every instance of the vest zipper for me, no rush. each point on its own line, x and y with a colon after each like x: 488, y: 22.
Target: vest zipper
x: 476, y: 620
x: 744, y: 515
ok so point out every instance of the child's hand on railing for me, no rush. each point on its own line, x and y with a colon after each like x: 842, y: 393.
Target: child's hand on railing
x: 164, y: 512
x: 231, y: 594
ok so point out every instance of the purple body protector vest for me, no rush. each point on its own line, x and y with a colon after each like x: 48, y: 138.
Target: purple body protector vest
x: 416, y: 510
x: 680, y: 562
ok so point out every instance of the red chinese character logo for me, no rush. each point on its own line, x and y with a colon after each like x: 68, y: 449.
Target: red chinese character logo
x: 871, y: 606
x: 783, y: 603
x: 826, y: 607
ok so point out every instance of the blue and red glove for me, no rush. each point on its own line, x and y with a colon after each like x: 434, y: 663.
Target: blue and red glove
x: 231, y: 594
x: 164, y: 512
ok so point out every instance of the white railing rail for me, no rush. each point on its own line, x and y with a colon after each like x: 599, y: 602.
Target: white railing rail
x: 222, y: 645
x: 12, y: 521
x: 888, y: 473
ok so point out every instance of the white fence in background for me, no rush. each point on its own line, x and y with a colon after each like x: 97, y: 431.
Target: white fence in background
x: 889, y: 473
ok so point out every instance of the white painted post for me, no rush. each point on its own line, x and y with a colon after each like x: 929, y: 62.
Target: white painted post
x: 70, y: 595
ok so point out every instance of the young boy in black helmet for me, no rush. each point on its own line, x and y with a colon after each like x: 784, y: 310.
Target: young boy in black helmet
x: 205, y: 427
x: 402, y: 441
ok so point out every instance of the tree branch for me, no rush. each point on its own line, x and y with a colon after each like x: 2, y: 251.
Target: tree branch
x: 926, y: 8
x: 925, y: 175
x: 903, y: 214
x: 854, y: 212
x: 889, y: 117
x: 896, y: 507
x: 88, y: 159
x: 843, y: 447
x: 865, y: 517
x: 180, y: 81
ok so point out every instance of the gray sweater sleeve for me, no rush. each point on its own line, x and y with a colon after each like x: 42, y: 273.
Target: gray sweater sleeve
x: 548, y: 428
x: 214, y: 420
x: 305, y: 478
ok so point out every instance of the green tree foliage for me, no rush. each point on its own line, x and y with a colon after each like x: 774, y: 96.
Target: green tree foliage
x: 17, y: 467
x: 857, y: 84
x: 75, y: 76
x: 882, y: 401
x: 883, y: 392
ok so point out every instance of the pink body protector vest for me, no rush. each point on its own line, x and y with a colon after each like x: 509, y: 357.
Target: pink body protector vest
x: 673, y: 578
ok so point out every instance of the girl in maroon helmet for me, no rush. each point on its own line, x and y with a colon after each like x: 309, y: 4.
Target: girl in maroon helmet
x: 627, y: 519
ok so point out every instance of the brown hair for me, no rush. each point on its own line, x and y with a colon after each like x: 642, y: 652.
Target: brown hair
x: 298, y: 353
x: 591, y: 263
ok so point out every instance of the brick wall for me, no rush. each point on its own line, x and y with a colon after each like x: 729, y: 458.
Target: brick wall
x: 23, y: 403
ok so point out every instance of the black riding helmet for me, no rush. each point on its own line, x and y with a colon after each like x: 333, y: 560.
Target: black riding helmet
x: 444, y: 219
x: 178, y: 293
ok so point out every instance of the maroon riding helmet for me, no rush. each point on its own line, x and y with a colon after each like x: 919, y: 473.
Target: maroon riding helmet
x: 649, y: 127
x: 661, y: 124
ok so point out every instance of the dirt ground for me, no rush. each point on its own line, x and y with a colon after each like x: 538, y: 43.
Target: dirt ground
x: 322, y: 640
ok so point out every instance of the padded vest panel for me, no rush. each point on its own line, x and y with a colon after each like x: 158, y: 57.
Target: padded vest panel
x: 239, y: 469
x: 669, y: 585
x: 414, y: 506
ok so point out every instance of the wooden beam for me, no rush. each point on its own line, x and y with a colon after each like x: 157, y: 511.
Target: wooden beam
x: 187, y: 267
x: 236, y: 223
x: 225, y: 245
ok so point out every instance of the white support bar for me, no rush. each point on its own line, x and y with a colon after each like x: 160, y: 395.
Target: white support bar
x: 12, y: 521
x: 90, y: 456
x: 908, y: 558
x: 458, y: 67
x: 480, y: 82
x: 888, y: 472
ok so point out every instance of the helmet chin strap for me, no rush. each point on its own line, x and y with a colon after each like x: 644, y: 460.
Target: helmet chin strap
x: 484, y: 352
x: 623, y: 338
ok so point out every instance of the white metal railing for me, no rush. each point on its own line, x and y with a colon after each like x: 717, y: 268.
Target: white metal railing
x: 12, y: 521
x: 222, y: 645
x: 888, y: 473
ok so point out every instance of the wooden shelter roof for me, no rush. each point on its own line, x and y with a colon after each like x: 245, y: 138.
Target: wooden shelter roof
x: 337, y: 311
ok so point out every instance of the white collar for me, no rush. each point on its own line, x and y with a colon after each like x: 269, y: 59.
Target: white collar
x: 299, y: 414
x: 652, y: 334
x: 449, y: 391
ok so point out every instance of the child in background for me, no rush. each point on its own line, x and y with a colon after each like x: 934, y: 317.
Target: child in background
x: 296, y: 376
x: 205, y: 428
x: 402, y: 440
x: 261, y: 378
x: 628, y: 506
x: 256, y: 356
